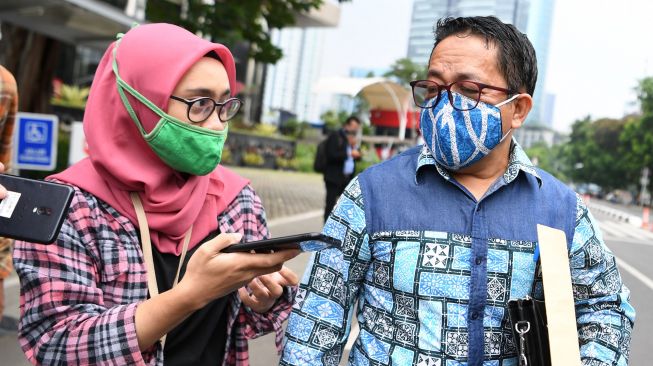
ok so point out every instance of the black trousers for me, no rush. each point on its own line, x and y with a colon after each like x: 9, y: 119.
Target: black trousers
x: 333, y: 191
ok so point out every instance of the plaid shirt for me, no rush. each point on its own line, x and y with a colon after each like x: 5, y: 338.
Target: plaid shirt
x: 8, y: 108
x: 79, y: 296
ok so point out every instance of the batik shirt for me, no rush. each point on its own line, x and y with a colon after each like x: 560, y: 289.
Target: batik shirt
x: 79, y: 296
x: 430, y: 270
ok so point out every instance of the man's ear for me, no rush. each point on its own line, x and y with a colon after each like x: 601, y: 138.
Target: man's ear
x: 523, y: 105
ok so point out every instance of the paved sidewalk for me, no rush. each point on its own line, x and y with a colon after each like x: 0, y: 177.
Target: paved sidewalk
x: 286, y: 193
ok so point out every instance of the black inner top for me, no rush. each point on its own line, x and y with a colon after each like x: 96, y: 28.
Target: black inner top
x: 200, y: 339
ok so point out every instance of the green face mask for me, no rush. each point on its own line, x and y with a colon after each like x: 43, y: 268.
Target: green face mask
x: 182, y: 146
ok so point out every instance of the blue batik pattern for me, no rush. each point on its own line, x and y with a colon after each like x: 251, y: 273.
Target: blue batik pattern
x: 413, y: 293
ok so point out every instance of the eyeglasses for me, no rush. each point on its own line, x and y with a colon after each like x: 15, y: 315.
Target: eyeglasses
x: 425, y: 90
x: 200, y: 109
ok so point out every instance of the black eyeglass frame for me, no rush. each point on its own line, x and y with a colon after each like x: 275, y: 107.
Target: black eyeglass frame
x: 480, y: 86
x: 190, y: 102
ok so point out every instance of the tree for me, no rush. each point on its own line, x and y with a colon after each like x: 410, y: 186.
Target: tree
x: 404, y: 70
x: 333, y: 120
x: 638, y: 133
x: 595, y: 153
x: 32, y: 58
x: 234, y: 22
x: 644, y: 90
x: 550, y: 159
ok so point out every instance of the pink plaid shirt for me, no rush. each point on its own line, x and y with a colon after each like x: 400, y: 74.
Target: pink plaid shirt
x: 79, y: 296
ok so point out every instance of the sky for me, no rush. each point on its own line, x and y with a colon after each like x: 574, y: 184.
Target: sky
x: 598, y: 50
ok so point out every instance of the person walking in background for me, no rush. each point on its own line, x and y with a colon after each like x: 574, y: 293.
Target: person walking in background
x: 8, y: 110
x: 341, y: 155
x: 437, y: 240
x: 151, y: 212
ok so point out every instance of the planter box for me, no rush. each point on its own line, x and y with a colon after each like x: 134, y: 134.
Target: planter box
x: 268, y: 147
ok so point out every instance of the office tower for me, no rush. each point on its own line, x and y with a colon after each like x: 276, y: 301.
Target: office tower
x: 533, y: 17
x: 288, y: 83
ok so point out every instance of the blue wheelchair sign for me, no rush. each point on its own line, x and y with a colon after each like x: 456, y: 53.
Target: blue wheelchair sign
x: 36, y: 141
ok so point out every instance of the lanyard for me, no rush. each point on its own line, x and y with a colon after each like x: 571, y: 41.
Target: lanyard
x: 147, y: 251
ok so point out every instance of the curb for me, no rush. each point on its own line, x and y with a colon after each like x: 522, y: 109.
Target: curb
x: 617, y: 214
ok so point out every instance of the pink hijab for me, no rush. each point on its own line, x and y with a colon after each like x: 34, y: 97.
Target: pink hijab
x: 152, y: 59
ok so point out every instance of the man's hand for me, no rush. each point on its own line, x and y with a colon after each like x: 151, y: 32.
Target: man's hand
x: 352, y: 141
x: 265, y: 290
x: 356, y: 154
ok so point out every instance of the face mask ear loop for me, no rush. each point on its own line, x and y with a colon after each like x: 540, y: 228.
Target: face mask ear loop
x: 119, y: 82
x: 122, y: 86
x: 501, y: 104
x: 507, y: 101
x: 505, y: 135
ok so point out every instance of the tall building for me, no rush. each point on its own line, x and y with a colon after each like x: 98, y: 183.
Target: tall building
x: 427, y: 12
x: 533, y: 17
x: 539, y: 32
x: 287, y: 86
x: 288, y: 83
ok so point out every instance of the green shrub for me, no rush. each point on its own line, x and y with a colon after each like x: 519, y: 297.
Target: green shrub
x: 253, y: 159
x: 304, y: 155
x: 288, y: 164
x: 368, y: 159
x: 71, y: 96
x: 265, y: 129
x: 226, y: 155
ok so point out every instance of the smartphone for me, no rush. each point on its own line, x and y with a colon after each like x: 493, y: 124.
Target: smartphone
x: 33, y: 210
x: 307, y: 242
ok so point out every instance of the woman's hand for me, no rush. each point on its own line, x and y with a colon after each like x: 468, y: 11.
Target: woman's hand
x: 211, y: 274
x: 263, y: 291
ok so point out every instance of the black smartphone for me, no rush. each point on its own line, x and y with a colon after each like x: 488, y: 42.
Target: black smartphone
x: 33, y: 210
x: 307, y: 242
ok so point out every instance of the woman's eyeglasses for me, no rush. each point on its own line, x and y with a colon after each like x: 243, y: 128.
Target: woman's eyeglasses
x: 200, y: 109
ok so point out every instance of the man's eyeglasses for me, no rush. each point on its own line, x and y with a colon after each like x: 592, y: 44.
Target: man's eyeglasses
x: 425, y: 90
x: 200, y: 109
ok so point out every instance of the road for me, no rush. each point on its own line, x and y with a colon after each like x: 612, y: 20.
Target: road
x: 632, y: 246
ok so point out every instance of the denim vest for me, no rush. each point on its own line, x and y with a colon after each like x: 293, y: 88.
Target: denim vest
x: 399, y: 198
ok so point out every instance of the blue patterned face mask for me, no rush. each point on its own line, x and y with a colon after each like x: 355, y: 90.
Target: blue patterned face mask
x: 458, y: 139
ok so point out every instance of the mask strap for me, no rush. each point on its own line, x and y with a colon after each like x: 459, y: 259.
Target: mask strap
x: 505, y: 135
x: 507, y: 100
x: 122, y: 86
x: 501, y: 104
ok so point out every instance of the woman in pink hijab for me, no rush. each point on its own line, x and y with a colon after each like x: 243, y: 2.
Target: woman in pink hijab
x: 136, y: 275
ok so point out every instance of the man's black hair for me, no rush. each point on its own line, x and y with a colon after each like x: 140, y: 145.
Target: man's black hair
x: 516, y: 55
x: 352, y: 118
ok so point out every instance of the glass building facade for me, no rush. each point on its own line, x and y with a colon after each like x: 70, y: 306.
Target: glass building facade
x: 533, y: 17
